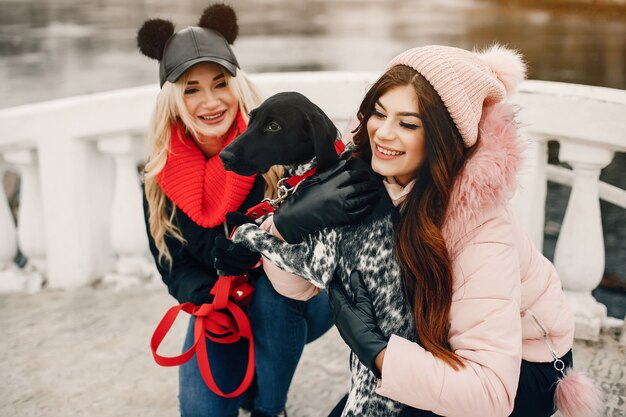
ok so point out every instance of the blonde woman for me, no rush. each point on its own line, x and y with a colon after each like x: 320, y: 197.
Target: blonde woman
x: 202, y: 106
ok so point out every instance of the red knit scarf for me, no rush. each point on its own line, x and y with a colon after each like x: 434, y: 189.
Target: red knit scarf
x: 201, y: 187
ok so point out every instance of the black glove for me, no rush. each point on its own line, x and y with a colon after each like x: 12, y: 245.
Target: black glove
x: 356, y: 321
x: 335, y: 197
x: 233, y: 258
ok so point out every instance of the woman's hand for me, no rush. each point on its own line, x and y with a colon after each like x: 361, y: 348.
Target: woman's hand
x: 232, y: 258
x: 356, y: 321
x: 335, y: 197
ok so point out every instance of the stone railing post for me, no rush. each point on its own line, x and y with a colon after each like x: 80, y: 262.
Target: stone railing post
x: 8, y: 244
x: 529, y: 201
x: 30, y: 228
x: 127, y: 227
x: 579, y: 252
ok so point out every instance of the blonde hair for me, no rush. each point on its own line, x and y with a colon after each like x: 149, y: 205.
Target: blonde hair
x: 170, y: 108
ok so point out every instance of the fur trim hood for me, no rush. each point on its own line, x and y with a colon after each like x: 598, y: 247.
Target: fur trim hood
x: 488, y: 180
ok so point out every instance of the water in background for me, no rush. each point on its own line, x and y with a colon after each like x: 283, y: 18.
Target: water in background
x: 59, y: 48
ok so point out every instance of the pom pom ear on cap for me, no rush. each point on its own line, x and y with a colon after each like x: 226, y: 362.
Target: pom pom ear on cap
x: 152, y: 37
x: 222, y: 19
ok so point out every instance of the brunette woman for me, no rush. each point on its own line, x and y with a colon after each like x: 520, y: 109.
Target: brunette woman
x: 495, y: 330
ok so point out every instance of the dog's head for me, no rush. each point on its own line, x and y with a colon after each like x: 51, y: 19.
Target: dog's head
x: 286, y: 129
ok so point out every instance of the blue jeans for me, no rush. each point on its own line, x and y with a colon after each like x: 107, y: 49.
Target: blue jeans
x: 281, y: 328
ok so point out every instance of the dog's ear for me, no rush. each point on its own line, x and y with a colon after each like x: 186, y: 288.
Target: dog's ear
x: 323, y: 134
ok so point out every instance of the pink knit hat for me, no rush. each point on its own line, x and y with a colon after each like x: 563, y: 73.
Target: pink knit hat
x: 466, y: 81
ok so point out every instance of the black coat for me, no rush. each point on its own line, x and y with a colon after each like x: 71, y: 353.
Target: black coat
x: 192, y: 274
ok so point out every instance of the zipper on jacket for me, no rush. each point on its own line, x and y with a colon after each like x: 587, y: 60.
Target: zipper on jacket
x: 558, y: 364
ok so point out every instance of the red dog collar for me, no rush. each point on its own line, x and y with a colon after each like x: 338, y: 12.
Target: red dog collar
x: 268, y: 206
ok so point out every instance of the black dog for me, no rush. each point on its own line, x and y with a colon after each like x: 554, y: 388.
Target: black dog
x: 288, y: 129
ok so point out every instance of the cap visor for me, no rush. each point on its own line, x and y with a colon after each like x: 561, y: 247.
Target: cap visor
x: 179, y: 70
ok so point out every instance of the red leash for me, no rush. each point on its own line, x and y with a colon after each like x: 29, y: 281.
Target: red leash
x: 213, y: 323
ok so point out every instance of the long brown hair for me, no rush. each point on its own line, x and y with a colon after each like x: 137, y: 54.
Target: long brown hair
x: 419, y: 245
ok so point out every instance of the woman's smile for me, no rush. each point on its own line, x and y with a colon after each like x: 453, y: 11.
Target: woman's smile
x: 213, y: 118
x: 386, y: 153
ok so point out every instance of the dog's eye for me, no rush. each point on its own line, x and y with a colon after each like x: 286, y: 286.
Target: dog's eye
x: 272, y: 127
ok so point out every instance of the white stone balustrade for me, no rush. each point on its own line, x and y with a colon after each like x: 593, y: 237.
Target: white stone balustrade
x: 532, y: 186
x: 76, y: 178
x: 91, y: 201
x: 127, y: 230
x: 30, y: 228
x: 8, y: 243
x: 579, y: 254
x: 588, y: 123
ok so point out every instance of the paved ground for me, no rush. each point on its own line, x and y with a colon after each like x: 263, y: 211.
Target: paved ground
x: 86, y: 352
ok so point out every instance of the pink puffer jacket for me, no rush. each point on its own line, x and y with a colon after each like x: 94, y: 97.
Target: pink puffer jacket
x: 500, y: 281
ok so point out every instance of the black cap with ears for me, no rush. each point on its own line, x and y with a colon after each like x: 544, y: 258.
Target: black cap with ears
x: 177, y: 52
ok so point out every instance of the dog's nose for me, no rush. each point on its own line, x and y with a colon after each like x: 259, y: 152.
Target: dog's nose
x: 227, y: 158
